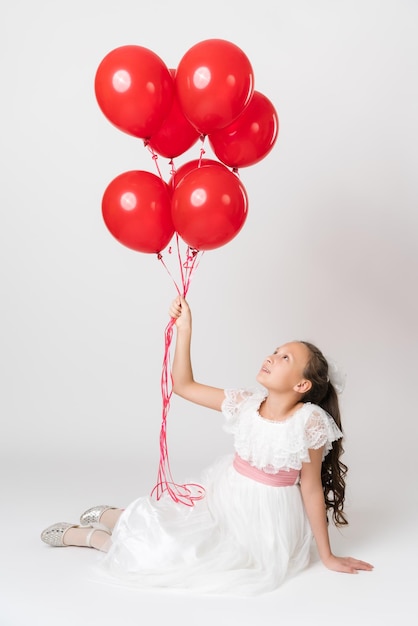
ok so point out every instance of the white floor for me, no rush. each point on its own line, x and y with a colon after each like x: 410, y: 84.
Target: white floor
x: 43, y: 586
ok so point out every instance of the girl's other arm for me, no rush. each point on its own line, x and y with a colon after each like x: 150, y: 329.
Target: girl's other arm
x: 313, y: 500
x: 184, y: 383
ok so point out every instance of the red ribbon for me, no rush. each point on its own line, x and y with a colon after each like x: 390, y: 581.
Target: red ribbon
x: 188, y: 493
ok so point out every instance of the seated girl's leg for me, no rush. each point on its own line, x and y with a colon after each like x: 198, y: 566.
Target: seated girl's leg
x: 110, y: 517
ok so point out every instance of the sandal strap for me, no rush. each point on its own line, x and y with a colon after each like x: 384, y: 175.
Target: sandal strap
x: 96, y: 526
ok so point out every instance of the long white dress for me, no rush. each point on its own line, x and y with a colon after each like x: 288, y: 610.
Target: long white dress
x: 244, y: 537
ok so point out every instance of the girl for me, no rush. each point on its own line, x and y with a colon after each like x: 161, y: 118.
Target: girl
x: 253, y: 528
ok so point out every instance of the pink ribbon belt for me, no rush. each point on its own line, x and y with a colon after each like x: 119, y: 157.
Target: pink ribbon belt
x: 283, y: 478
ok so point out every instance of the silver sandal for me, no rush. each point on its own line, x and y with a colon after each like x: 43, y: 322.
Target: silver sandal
x: 54, y: 535
x: 93, y: 515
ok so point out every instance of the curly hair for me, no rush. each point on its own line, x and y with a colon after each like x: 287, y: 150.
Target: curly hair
x: 333, y: 470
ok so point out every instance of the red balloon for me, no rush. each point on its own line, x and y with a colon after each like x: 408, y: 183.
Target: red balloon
x: 176, y: 135
x: 184, y: 169
x: 134, y: 89
x: 209, y: 207
x: 136, y: 208
x: 215, y: 82
x: 250, y: 137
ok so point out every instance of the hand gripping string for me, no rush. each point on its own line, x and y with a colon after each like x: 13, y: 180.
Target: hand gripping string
x: 188, y: 493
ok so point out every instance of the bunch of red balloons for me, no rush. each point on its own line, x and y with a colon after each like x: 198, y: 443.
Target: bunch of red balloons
x: 210, y: 94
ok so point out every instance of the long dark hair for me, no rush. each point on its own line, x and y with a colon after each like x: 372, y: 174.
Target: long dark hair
x: 333, y: 470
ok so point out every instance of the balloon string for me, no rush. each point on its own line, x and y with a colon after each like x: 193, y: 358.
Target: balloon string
x: 172, y: 167
x: 154, y: 157
x: 202, y: 149
x: 188, y: 493
x: 160, y: 258
x: 186, y: 267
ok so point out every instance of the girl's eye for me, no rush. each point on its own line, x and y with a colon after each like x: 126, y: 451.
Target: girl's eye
x: 286, y: 357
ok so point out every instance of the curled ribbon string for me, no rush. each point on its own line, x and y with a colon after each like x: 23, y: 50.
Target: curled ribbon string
x: 188, y: 493
x: 172, y: 167
x: 202, y: 149
x: 154, y: 157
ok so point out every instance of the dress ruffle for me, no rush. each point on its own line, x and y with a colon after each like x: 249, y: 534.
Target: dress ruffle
x: 275, y: 445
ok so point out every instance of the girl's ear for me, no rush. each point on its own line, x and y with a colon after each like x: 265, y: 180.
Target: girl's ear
x: 303, y: 386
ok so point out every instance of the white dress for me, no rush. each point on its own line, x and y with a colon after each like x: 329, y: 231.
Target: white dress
x: 244, y: 537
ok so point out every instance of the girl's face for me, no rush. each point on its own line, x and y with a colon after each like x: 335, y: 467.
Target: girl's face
x: 283, y: 370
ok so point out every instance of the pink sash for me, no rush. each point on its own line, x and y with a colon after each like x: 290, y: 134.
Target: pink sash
x: 283, y: 478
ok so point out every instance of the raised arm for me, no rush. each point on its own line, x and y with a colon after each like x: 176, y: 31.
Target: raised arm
x: 184, y: 384
x: 313, y: 500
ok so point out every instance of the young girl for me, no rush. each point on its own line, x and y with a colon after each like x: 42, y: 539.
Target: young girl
x: 253, y: 529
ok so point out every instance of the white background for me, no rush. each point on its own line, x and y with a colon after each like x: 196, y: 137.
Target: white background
x: 328, y: 254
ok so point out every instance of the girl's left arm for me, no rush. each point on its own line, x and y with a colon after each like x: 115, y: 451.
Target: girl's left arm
x: 313, y: 500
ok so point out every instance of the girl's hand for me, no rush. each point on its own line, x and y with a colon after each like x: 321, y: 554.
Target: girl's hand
x: 346, y: 564
x: 180, y: 311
